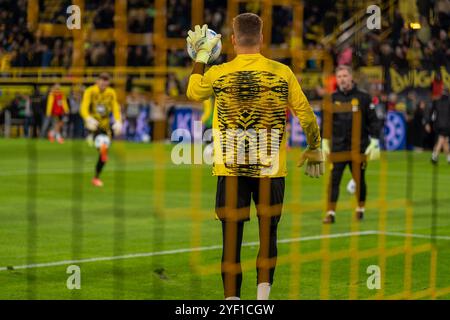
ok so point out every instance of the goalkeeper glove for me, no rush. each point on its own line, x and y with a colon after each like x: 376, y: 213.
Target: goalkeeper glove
x: 91, y: 124
x: 117, y: 128
x: 373, y: 150
x: 201, y: 43
x: 314, y: 162
x: 325, y: 147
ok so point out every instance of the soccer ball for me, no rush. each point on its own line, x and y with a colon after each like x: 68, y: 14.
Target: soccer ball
x: 102, y: 139
x: 215, y: 51
x: 351, y: 186
x: 145, y: 138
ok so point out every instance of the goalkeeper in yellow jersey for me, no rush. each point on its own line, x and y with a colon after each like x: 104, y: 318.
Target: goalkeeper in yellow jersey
x: 99, y: 101
x: 252, y: 94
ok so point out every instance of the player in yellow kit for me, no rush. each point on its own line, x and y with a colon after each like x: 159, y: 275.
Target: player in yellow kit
x: 99, y: 101
x: 252, y: 94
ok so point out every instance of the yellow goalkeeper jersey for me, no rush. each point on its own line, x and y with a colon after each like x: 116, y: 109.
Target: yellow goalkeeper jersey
x: 100, y: 105
x: 252, y: 94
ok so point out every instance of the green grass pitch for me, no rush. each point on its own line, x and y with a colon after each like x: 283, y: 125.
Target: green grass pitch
x: 149, y: 205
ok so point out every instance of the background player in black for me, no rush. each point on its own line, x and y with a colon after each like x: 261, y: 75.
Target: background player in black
x: 351, y: 139
x: 440, y: 118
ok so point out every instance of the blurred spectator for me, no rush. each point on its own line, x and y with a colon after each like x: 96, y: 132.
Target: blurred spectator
x: 281, y: 25
x: 141, y: 16
x: 76, y: 126
x: 312, y: 63
x: 57, y: 108
x: 215, y: 12
x: 104, y: 15
x: 392, y: 102
x: 47, y: 55
x: 397, y: 26
x: 437, y: 87
x: 140, y: 56
x: 330, y: 21
x: 442, y: 12
x: 177, y: 58
x: 173, y: 87
x: 418, y: 127
x: 313, y: 31
x: 386, y: 55
x: 414, y: 54
x: 18, y: 110
x: 399, y: 60
x: 345, y: 56
x: 379, y: 103
x: 440, y: 121
x: 178, y: 22
x: 158, y: 121
x: 18, y: 106
x: 100, y: 54
x: 28, y: 114
x: 38, y: 110
x: 409, y: 112
x: 410, y: 103
x: 132, y: 110
x: 424, y: 34
x: 54, y: 12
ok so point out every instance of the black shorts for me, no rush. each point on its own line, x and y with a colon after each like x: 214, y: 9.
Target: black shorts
x: 234, y: 194
x: 443, y: 132
x: 99, y: 132
x: 55, y: 118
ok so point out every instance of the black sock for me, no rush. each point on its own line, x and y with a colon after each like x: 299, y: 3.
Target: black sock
x: 231, y: 254
x: 99, y: 167
x: 268, y: 249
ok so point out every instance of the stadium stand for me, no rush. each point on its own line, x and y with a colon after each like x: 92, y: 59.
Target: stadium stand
x: 29, y: 40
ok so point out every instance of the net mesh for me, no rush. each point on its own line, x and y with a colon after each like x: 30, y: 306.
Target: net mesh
x: 311, y: 255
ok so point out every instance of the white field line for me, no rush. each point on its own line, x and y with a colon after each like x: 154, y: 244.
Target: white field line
x: 86, y: 167
x: 413, y: 235
x: 216, y: 247
x: 177, y: 251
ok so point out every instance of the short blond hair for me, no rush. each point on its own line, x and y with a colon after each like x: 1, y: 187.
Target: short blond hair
x: 247, y: 29
x: 344, y: 67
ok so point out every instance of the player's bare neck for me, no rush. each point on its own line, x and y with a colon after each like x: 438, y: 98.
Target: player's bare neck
x: 247, y: 50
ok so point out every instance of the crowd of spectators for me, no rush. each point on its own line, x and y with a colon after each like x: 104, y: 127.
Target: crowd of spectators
x: 140, y: 56
x: 428, y: 47
x: 178, y: 18
x: 404, y: 49
x: 99, y: 54
x: 141, y: 15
